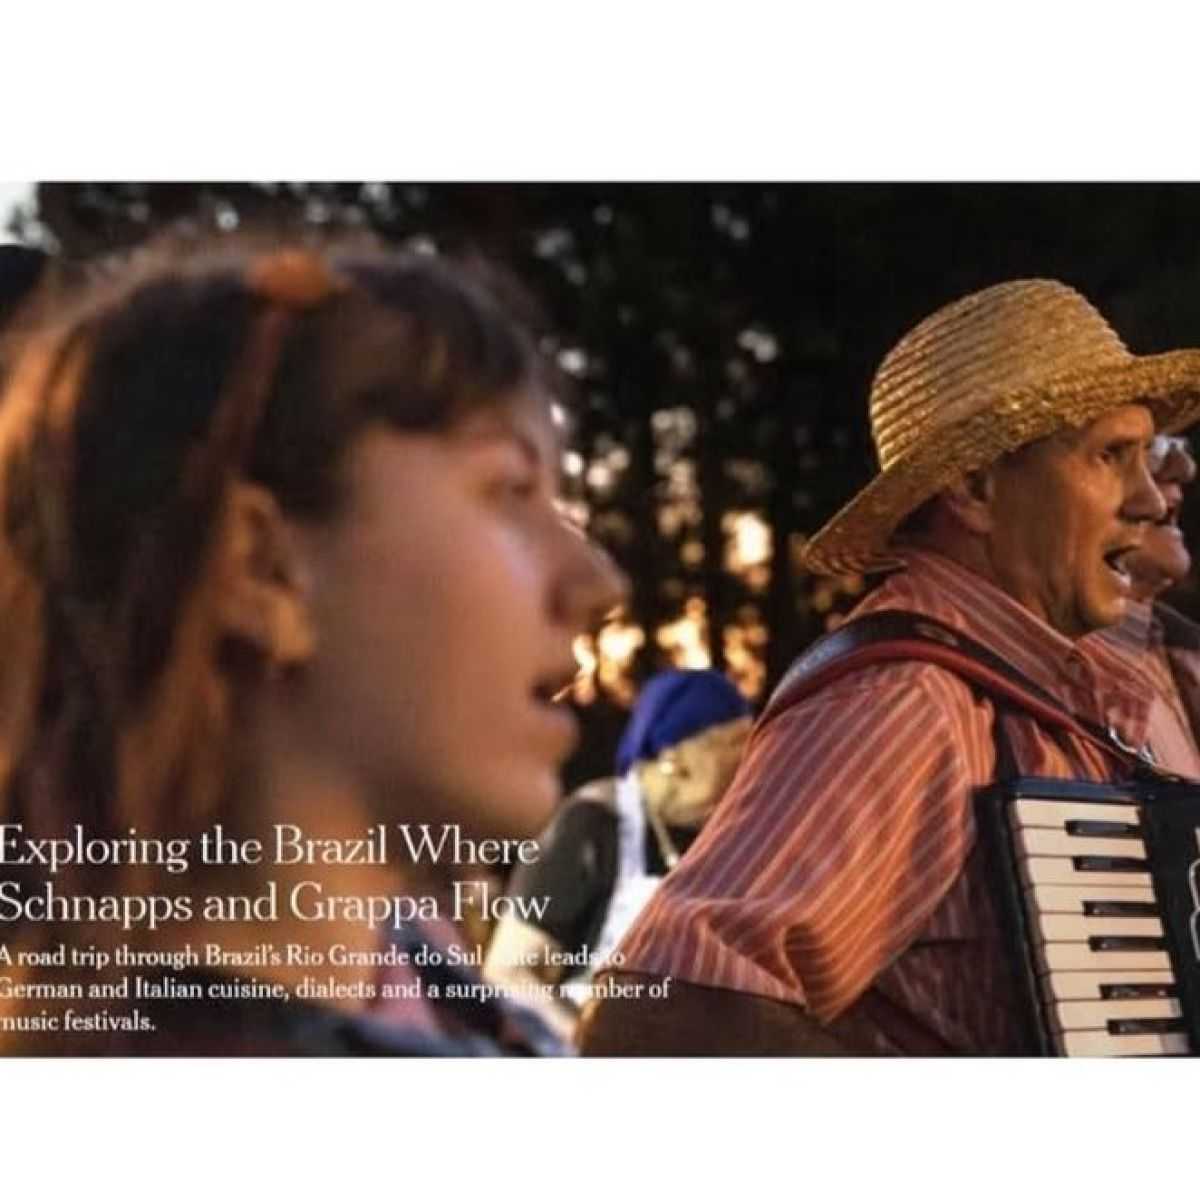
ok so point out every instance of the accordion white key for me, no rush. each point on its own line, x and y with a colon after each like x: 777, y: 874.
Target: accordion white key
x: 1100, y: 901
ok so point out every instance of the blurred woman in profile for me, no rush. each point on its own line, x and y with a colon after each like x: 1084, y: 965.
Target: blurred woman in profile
x: 278, y: 544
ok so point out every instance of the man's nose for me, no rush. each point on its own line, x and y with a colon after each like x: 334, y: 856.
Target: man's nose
x: 1172, y: 494
x: 1143, y: 500
x: 1180, y: 466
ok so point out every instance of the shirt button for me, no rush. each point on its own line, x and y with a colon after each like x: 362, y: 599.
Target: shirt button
x: 1119, y: 741
x: 1142, y: 752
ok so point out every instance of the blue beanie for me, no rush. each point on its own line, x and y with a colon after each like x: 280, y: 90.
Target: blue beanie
x: 674, y: 706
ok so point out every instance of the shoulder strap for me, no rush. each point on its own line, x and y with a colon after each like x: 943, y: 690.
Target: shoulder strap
x: 892, y: 636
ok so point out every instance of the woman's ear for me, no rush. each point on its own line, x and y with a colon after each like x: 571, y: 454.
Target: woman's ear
x: 265, y: 596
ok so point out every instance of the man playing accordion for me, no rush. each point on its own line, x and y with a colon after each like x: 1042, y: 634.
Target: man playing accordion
x: 837, y: 902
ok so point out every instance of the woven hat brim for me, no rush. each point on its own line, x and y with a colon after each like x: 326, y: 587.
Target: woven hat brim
x: 855, y: 540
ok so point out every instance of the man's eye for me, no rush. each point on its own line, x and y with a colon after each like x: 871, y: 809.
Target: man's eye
x: 517, y: 487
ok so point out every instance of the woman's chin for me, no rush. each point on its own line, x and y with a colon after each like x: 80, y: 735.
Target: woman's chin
x: 522, y: 805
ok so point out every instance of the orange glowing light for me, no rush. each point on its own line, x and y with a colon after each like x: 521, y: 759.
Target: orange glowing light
x: 686, y: 639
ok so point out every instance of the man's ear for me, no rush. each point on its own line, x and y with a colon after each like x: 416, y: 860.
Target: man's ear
x: 264, y: 600
x: 969, y: 499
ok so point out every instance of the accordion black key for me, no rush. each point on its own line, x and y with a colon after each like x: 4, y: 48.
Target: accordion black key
x: 1100, y: 909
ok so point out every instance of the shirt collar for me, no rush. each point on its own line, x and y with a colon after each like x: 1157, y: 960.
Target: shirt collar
x: 1137, y: 632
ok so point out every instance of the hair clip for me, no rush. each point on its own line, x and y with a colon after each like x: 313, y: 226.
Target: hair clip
x: 294, y: 277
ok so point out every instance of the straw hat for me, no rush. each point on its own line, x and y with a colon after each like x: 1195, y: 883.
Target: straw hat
x: 984, y: 376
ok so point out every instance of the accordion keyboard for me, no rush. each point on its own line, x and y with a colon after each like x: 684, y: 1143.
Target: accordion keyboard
x: 1100, y: 953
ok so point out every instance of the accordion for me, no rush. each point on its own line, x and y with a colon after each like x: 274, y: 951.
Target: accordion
x: 1100, y: 908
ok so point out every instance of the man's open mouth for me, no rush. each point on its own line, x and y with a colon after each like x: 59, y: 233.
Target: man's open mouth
x: 1117, y: 562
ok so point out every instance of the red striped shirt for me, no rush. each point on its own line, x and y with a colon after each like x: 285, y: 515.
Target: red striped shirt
x: 842, y: 860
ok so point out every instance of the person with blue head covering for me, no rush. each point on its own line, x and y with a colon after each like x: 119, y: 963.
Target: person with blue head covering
x: 613, y: 840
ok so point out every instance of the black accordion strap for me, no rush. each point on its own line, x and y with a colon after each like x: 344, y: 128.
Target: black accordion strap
x: 891, y: 636
x: 1006, y: 758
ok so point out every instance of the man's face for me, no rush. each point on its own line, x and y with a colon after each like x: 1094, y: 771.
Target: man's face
x: 1163, y: 560
x: 1067, y: 512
